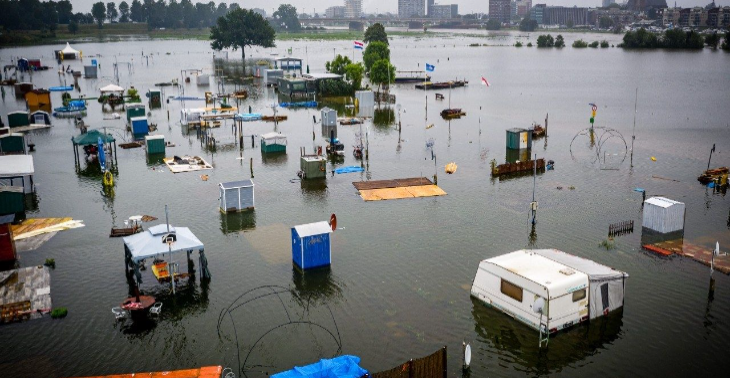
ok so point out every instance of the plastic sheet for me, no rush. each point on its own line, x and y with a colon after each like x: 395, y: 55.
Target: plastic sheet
x: 340, y: 367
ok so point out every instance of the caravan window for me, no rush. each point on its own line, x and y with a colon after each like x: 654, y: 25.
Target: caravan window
x: 511, y: 290
x: 579, y: 295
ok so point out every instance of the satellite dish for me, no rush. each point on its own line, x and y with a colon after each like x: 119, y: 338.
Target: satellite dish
x: 333, y: 221
x: 467, y: 355
x: 539, y: 305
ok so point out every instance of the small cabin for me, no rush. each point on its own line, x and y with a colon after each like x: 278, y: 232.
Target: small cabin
x: 139, y: 127
x: 40, y: 117
x: 663, y: 215
x: 296, y: 87
x: 17, y: 171
x: 7, y: 243
x: 12, y: 144
x: 236, y: 196
x: 91, y: 72
x: 311, y: 247
x: 38, y: 99
x: 329, y: 117
x: 135, y: 110
x: 202, y: 79
x: 273, y: 142
x: 18, y: 118
x: 155, y: 98
x: 313, y: 166
x: 188, y: 116
x: 549, y: 289
x: 518, y: 139
x: 154, y: 144
x: 22, y: 88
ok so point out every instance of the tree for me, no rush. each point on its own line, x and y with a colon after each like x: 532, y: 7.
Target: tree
x: 65, y: 11
x: 338, y: 65
x: 726, y: 44
x: 712, y: 40
x: 570, y: 23
x: 547, y: 41
x: 240, y: 28
x: 528, y: 25
x: 376, y: 33
x: 605, y: 22
x: 98, y: 10
x: 73, y: 27
x: 559, y: 41
x: 375, y: 52
x: 354, y: 72
x: 111, y: 11
x: 286, y: 16
x: 123, y: 12
x: 136, y: 12
x: 493, y: 24
x: 382, y: 72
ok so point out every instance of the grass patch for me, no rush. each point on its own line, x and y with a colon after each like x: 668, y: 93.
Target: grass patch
x: 59, y: 313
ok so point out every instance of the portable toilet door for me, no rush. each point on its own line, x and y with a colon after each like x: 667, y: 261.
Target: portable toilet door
x: 311, y: 247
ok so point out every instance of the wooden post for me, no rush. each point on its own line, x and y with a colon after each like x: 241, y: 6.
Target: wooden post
x: 251, y: 165
x: 410, y: 369
x: 444, y: 366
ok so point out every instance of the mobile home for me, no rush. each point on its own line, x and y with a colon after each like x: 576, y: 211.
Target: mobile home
x: 547, y: 289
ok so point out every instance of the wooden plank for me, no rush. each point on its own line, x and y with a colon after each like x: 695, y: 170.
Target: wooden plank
x: 414, y: 181
x: 378, y: 184
x: 426, y: 191
x: 385, y: 194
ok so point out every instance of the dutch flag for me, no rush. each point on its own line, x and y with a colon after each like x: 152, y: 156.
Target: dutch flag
x: 430, y: 67
x: 358, y: 45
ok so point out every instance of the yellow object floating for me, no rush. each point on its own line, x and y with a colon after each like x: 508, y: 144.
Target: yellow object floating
x: 108, y: 179
x: 653, y: 158
x: 429, y: 126
x: 450, y: 168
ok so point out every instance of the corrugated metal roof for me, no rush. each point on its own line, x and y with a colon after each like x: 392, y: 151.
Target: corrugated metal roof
x: 542, y: 270
x: 662, y: 202
x: 16, y: 165
x: 318, y: 228
x: 594, y: 270
x: 236, y: 184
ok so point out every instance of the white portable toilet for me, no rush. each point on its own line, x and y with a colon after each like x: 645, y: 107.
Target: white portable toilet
x: 329, y: 117
x: 663, y: 215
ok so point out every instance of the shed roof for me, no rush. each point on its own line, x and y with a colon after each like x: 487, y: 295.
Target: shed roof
x: 317, y: 228
x: 273, y: 136
x: 516, y: 130
x: 555, y: 276
x: 236, y: 184
x: 151, y: 242
x: 662, y: 202
x: 92, y: 138
x: 288, y: 59
x: 594, y: 270
x: 16, y: 165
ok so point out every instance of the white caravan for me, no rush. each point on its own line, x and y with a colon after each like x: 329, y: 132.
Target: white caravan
x: 547, y: 289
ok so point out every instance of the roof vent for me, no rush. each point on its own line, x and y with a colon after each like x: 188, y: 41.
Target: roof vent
x: 567, y: 271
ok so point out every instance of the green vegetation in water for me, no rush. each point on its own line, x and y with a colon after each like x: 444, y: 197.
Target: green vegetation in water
x: 518, y: 44
x: 579, y: 44
x: 59, y: 313
x: 670, y: 39
x: 604, y: 44
x: 593, y: 45
x: 546, y: 40
x: 529, y: 44
x: 609, y: 244
x: 51, y: 263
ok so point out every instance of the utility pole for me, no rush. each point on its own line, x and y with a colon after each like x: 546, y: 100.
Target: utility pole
x: 633, y: 132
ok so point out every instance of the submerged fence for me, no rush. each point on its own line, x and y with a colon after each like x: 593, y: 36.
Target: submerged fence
x: 432, y: 366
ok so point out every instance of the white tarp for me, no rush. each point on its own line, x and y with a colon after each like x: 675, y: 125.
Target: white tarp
x: 274, y: 138
x: 152, y: 243
x: 16, y: 165
x: 112, y: 88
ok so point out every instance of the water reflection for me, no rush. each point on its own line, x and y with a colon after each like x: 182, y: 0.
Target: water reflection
x: 274, y: 159
x: 383, y: 118
x: 517, y: 344
x: 316, y: 286
x: 238, y: 221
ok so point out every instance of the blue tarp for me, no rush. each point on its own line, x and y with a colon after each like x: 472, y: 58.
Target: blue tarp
x: 340, y: 367
x: 350, y: 169
x: 60, y: 89
x: 248, y: 117
x: 302, y: 104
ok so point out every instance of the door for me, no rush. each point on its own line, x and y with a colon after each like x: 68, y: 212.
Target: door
x: 38, y: 118
x: 604, y: 298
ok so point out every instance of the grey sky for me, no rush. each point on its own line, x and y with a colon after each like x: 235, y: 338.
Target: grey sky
x: 371, y: 6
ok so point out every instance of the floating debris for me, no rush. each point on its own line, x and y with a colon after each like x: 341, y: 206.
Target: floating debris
x: 186, y: 164
x: 397, y: 189
x: 450, y: 168
x: 25, y: 293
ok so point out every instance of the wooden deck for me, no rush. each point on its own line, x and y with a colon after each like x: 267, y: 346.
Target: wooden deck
x: 203, y: 372
x: 698, y: 253
x: 382, y: 184
x: 397, y: 189
x: 37, y: 226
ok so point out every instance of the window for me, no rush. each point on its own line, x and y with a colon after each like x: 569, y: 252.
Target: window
x: 579, y: 295
x: 511, y: 290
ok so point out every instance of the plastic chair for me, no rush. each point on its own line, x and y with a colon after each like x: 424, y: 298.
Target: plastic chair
x: 119, y: 313
x: 156, y: 308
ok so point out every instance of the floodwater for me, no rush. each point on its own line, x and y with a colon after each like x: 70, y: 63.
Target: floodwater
x: 399, y: 283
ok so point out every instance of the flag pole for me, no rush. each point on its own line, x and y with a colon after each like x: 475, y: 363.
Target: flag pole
x: 425, y: 95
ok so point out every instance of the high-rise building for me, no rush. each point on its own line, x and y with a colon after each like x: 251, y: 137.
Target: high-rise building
x: 606, y: 3
x: 523, y: 7
x: 537, y: 13
x: 444, y: 11
x: 499, y: 10
x: 353, y: 8
x: 412, y: 8
x: 429, y: 4
x: 335, y: 12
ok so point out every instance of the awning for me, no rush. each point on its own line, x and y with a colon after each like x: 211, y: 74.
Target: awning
x: 92, y: 138
x: 152, y: 243
x: 275, y: 137
x: 112, y: 88
x: 69, y: 50
x: 16, y: 165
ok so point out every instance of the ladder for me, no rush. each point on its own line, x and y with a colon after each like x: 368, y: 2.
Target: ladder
x: 544, y: 333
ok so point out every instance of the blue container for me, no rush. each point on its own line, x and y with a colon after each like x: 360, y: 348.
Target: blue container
x: 140, y: 127
x: 311, y: 247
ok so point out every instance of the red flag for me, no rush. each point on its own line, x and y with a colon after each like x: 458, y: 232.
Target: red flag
x: 484, y: 81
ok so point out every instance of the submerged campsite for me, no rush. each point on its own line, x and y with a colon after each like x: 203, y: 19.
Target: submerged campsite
x: 413, y: 206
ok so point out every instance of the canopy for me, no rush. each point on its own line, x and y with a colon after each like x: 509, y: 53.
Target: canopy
x: 152, y: 243
x: 69, y: 50
x: 92, y: 138
x: 112, y: 88
x: 16, y: 165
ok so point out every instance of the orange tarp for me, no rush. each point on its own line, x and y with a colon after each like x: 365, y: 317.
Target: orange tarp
x: 203, y: 372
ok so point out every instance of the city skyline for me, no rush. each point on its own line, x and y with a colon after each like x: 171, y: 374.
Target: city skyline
x: 391, y: 6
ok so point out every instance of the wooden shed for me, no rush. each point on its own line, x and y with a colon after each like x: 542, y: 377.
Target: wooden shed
x: 273, y: 142
x: 518, y: 139
x: 313, y: 166
x: 38, y: 99
x: 12, y: 144
x: 236, y: 196
x: 18, y: 118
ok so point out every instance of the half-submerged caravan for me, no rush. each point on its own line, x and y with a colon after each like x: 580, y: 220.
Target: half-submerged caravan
x: 547, y: 289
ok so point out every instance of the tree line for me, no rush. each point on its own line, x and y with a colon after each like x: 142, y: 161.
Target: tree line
x: 672, y: 39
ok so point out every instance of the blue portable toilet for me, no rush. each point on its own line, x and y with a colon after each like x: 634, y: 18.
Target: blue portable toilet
x: 140, y: 128
x: 311, y: 247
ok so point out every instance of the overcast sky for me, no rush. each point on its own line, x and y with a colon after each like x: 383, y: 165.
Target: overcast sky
x: 371, y: 6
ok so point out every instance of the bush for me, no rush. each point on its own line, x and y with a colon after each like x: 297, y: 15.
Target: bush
x: 493, y: 24
x: 518, y: 44
x: 593, y: 44
x: 51, y: 263
x: 529, y: 44
x: 59, y: 313
x: 527, y: 24
x: 334, y: 88
x: 581, y: 44
x: 559, y: 41
x: 604, y: 44
x: 545, y: 41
